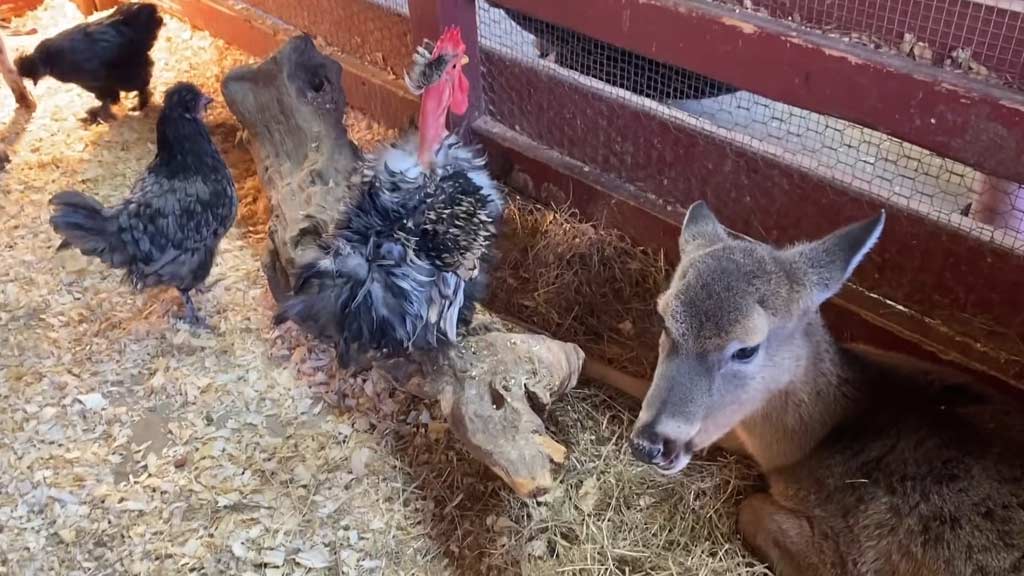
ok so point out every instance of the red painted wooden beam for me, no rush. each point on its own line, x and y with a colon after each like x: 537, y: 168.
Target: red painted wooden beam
x: 979, y: 124
x: 365, y: 31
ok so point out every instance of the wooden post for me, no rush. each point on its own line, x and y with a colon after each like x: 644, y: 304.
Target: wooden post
x: 429, y: 18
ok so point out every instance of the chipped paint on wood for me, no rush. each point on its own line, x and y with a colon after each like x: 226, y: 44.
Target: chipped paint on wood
x: 745, y: 27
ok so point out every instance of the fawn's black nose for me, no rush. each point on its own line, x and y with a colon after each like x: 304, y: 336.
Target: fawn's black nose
x: 647, y: 446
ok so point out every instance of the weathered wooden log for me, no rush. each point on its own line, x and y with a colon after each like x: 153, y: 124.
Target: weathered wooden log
x: 489, y: 386
x: 292, y: 108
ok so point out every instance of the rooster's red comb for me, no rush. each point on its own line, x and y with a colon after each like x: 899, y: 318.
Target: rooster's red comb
x: 450, y: 42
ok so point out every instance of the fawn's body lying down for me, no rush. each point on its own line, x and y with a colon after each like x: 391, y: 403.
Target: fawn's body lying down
x: 877, y: 464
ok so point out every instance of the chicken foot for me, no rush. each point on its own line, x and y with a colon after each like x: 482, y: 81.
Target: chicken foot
x: 101, y: 114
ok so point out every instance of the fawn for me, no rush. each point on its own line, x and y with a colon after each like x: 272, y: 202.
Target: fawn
x: 876, y: 464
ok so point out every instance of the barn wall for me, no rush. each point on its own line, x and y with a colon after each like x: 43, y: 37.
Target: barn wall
x: 930, y: 289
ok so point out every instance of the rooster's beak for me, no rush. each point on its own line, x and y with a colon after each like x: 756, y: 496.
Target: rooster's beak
x: 465, y: 60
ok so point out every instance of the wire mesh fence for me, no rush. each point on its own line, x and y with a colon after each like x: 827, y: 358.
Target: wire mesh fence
x: 984, y: 38
x: 868, y: 161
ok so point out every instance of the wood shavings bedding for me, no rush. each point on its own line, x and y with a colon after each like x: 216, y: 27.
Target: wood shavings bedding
x: 135, y: 446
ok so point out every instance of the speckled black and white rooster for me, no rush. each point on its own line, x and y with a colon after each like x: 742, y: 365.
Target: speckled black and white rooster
x: 402, y: 270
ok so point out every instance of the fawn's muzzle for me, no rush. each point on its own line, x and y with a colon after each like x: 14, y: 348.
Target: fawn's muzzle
x: 650, y: 447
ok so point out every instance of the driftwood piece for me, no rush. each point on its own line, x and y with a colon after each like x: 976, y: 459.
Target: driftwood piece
x: 488, y: 387
x: 292, y: 108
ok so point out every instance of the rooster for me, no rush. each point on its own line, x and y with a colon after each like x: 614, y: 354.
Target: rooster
x: 402, y: 270
x: 105, y: 57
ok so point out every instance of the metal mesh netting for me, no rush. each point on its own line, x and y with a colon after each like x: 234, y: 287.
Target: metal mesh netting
x: 984, y: 38
x: 871, y: 162
x: 377, y: 32
x: 399, y: 6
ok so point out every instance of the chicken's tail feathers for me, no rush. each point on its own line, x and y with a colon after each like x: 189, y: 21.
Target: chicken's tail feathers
x: 319, y: 307
x: 83, y: 223
x: 322, y: 315
x: 317, y: 294
x: 385, y: 308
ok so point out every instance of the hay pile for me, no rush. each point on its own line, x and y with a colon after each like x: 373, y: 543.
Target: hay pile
x: 136, y: 446
x: 609, y: 516
x: 581, y: 283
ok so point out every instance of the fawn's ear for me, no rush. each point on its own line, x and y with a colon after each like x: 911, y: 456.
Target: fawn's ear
x: 827, y: 264
x: 700, y: 229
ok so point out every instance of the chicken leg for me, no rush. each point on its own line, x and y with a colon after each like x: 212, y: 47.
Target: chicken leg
x: 144, y: 96
x: 191, y: 316
x: 108, y: 96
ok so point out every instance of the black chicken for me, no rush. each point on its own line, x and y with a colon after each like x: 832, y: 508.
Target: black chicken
x: 402, y: 271
x: 167, y: 231
x: 106, y: 57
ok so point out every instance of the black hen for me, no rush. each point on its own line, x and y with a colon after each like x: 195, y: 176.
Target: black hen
x: 106, y: 56
x: 166, y: 233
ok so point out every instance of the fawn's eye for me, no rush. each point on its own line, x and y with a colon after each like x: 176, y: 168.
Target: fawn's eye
x: 745, y: 354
